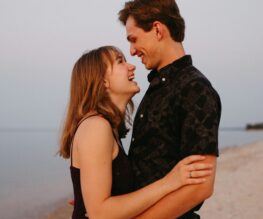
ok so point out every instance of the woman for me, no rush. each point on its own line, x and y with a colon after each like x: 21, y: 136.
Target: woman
x: 101, y: 90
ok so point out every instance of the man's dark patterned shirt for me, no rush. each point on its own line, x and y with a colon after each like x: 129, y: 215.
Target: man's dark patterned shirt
x: 178, y: 116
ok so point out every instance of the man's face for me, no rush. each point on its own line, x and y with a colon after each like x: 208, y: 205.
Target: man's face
x: 143, y: 44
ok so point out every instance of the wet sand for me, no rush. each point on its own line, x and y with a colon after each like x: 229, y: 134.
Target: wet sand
x: 238, y: 188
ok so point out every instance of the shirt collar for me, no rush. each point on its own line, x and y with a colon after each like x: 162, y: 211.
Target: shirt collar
x: 176, y: 65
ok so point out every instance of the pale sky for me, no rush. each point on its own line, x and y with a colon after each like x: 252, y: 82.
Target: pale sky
x: 41, y: 40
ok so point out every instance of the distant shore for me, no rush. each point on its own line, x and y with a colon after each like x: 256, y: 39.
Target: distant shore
x: 257, y: 126
x: 238, y: 186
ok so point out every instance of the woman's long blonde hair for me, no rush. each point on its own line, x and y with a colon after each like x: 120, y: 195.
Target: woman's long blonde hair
x: 88, y: 93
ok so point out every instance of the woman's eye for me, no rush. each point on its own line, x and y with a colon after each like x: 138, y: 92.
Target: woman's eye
x: 120, y: 61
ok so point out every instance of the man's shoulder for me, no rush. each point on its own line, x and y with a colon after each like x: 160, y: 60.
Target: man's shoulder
x: 190, y: 81
x: 189, y: 74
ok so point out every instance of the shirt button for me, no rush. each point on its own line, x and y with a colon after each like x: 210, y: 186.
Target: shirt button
x: 133, y: 139
x: 141, y: 116
x: 163, y: 79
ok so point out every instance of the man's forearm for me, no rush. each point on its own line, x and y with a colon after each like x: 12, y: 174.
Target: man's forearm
x: 179, y: 202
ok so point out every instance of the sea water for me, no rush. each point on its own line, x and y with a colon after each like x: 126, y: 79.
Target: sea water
x: 33, y: 178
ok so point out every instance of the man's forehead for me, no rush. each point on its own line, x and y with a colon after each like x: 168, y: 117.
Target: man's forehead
x: 131, y: 27
x: 130, y: 24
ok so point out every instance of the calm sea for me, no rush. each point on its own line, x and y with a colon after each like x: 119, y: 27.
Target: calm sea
x: 33, y: 179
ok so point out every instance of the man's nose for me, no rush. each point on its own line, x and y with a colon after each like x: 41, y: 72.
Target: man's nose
x: 132, y: 50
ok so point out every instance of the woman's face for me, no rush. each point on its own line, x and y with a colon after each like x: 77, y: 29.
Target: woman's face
x: 119, y: 79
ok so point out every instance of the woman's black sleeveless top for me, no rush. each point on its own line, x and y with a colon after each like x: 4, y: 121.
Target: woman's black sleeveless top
x: 122, y: 181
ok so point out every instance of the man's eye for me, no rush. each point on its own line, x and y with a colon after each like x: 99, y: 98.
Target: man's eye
x: 120, y: 61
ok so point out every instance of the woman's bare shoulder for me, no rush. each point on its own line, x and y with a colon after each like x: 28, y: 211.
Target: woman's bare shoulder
x: 94, y: 127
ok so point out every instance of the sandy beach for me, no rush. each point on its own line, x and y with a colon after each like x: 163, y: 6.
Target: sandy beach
x: 238, y: 187
x: 239, y: 184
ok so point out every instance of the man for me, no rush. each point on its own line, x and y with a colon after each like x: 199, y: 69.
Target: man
x: 180, y: 112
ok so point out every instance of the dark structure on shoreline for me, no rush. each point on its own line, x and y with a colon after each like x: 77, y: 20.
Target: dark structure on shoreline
x: 257, y: 126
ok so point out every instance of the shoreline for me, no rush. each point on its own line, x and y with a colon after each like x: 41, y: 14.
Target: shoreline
x: 63, y: 211
x: 238, y: 188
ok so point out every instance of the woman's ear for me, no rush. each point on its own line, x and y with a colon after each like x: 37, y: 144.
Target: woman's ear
x: 106, y: 82
x: 106, y: 79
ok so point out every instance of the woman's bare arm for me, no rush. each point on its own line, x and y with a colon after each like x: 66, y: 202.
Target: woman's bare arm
x: 182, y: 200
x: 95, y: 148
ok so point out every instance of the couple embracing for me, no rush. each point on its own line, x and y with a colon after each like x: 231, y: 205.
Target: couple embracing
x: 171, y: 165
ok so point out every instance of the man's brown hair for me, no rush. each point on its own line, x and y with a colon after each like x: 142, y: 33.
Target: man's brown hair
x: 145, y: 12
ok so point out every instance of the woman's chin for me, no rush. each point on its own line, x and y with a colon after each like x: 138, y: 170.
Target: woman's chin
x: 136, y: 88
x: 136, y: 91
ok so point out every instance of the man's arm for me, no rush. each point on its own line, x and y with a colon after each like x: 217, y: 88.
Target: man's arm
x: 200, y: 116
x: 182, y: 200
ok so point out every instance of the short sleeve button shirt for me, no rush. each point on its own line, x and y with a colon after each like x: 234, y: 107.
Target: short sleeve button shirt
x: 178, y: 116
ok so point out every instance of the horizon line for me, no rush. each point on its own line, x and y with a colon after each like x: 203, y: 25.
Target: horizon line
x: 39, y: 129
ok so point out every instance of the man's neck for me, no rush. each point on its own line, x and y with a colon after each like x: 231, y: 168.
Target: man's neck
x: 172, y: 52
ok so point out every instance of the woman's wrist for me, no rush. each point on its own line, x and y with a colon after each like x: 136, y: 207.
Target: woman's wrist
x: 168, y: 185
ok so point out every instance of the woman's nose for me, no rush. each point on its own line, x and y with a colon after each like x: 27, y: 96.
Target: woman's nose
x: 131, y: 67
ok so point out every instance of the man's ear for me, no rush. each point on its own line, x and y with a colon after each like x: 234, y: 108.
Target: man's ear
x: 159, y: 30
